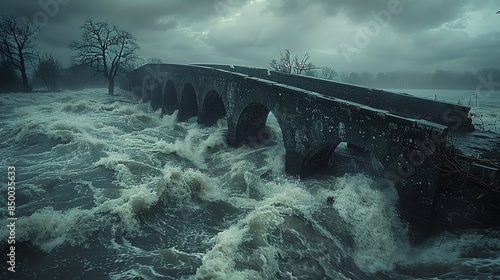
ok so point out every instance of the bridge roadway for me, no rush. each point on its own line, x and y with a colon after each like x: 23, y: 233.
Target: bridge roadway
x: 315, y: 115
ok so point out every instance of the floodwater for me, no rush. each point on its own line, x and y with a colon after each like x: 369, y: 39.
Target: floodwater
x: 108, y: 189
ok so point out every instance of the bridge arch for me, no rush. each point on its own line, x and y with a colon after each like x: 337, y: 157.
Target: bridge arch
x: 318, y: 158
x: 251, y: 125
x: 189, y: 105
x: 147, y: 86
x: 156, y: 96
x: 137, y: 88
x: 170, y: 99
x: 212, y: 108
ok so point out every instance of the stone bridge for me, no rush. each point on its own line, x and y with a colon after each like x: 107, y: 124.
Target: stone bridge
x: 315, y: 116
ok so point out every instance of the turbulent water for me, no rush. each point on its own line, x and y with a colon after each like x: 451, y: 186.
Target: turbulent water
x: 108, y: 189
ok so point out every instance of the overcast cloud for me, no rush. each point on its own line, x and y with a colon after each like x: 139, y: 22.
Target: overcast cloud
x: 347, y: 35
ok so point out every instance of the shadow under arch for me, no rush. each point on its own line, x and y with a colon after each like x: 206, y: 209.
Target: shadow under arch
x: 147, y: 88
x: 189, y: 106
x: 251, y: 130
x: 156, y: 97
x: 137, y: 88
x: 251, y: 126
x: 170, y: 99
x: 212, y: 109
x: 317, y: 159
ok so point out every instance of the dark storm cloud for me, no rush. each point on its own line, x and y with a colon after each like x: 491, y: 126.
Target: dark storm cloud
x: 145, y: 19
x: 141, y: 14
x: 422, y: 35
x: 418, y: 15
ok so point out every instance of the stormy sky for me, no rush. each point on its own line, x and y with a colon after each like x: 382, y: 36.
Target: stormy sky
x: 347, y: 35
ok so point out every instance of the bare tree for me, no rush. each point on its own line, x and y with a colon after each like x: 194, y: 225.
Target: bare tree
x: 292, y: 66
x: 155, y: 60
x: 328, y: 73
x: 301, y: 66
x: 16, y: 43
x: 106, y: 50
x: 8, y: 74
x: 284, y: 65
x: 49, y: 70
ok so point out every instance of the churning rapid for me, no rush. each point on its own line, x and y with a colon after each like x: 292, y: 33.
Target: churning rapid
x: 108, y: 189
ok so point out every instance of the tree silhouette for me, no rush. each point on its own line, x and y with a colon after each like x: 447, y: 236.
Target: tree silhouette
x: 292, y: 66
x: 49, y: 70
x: 154, y: 60
x: 106, y: 50
x: 16, y: 43
x: 8, y: 75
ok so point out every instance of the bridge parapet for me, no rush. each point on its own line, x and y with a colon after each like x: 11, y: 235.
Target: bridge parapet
x: 454, y: 116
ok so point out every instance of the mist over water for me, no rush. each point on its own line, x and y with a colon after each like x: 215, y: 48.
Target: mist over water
x: 109, y: 189
x: 485, y: 104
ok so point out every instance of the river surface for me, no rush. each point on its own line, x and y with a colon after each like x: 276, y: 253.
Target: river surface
x: 106, y: 188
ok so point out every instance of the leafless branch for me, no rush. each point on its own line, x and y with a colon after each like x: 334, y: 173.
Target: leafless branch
x: 16, y: 44
x: 295, y: 66
x: 105, y: 49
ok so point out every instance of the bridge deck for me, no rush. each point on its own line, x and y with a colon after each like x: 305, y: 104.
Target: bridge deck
x: 350, y: 105
x: 391, y: 105
x: 451, y: 115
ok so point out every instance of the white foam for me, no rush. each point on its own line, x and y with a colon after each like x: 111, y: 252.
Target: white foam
x: 49, y: 228
x: 222, y: 260
x: 194, y: 146
x: 230, y: 257
x: 380, y: 240
x: 183, y: 184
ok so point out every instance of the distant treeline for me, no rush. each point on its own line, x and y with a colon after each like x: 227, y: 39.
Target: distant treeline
x: 72, y: 78
x: 438, y: 79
